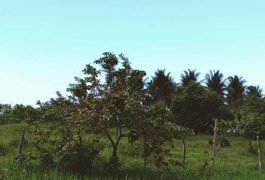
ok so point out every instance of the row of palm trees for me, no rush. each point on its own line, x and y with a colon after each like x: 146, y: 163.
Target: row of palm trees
x: 233, y: 88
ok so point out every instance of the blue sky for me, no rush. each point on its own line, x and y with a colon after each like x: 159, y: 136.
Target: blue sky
x: 45, y: 43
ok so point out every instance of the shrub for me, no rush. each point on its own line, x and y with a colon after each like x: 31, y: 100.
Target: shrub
x: 79, y: 161
x: 46, y: 160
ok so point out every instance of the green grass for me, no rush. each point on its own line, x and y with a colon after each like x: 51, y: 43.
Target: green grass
x: 235, y: 162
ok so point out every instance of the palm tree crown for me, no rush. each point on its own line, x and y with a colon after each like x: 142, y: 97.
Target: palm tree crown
x: 161, y: 87
x: 215, y: 82
x: 254, y: 91
x: 189, y: 76
x: 235, y: 93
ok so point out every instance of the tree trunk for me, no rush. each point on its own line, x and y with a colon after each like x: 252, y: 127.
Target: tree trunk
x: 214, y: 139
x: 237, y: 122
x: 21, y: 157
x: 21, y: 143
x: 79, y: 137
x: 145, y: 161
x: 114, y: 151
x: 259, y: 154
x: 184, y: 153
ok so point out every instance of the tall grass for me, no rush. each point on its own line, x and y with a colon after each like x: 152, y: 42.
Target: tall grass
x: 235, y: 162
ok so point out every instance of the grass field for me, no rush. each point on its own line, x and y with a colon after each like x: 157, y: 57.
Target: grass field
x: 235, y: 162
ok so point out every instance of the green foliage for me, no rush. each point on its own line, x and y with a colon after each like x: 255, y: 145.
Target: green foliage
x: 253, y: 117
x: 161, y: 87
x: 234, y: 162
x: 155, y: 129
x: 235, y: 96
x: 189, y: 76
x: 112, y: 102
x: 215, y: 82
x: 79, y: 160
x: 195, y: 107
x: 13, y: 114
x: 254, y: 92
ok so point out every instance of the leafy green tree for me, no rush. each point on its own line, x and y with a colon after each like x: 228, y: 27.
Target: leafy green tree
x: 5, y: 113
x: 13, y: 114
x: 155, y: 128
x: 104, y: 104
x: 59, y: 142
x: 161, y: 87
x: 189, y: 76
x: 235, y: 96
x: 253, y: 117
x: 195, y: 107
x: 253, y: 123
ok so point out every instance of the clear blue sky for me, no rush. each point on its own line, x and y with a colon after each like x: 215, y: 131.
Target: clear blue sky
x: 45, y: 43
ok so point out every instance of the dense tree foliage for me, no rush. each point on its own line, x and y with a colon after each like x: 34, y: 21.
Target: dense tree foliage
x: 13, y: 114
x: 161, y: 87
x: 195, y: 107
x: 114, y: 102
x: 215, y: 82
x: 189, y: 76
x: 254, y: 91
x: 235, y: 96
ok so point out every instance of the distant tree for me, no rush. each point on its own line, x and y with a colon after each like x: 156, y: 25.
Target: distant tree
x: 253, y: 117
x: 253, y: 123
x: 215, y: 81
x: 254, y: 91
x: 20, y: 112
x: 13, y: 114
x: 188, y: 77
x: 235, y: 96
x: 195, y: 107
x: 6, y: 114
x: 161, y: 87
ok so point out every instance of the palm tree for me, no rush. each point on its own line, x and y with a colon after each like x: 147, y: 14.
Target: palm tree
x: 189, y: 76
x: 214, y: 81
x: 235, y: 95
x: 161, y: 87
x: 254, y: 91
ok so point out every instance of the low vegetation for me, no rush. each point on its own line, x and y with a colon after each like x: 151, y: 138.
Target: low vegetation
x: 233, y: 162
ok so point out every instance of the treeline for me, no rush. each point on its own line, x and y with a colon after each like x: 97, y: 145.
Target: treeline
x: 13, y: 114
x: 113, y: 100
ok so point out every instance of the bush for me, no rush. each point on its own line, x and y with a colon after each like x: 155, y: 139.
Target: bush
x: 46, y: 160
x: 79, y: 161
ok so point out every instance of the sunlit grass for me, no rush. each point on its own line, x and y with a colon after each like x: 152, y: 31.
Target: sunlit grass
x: 235, y: 162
